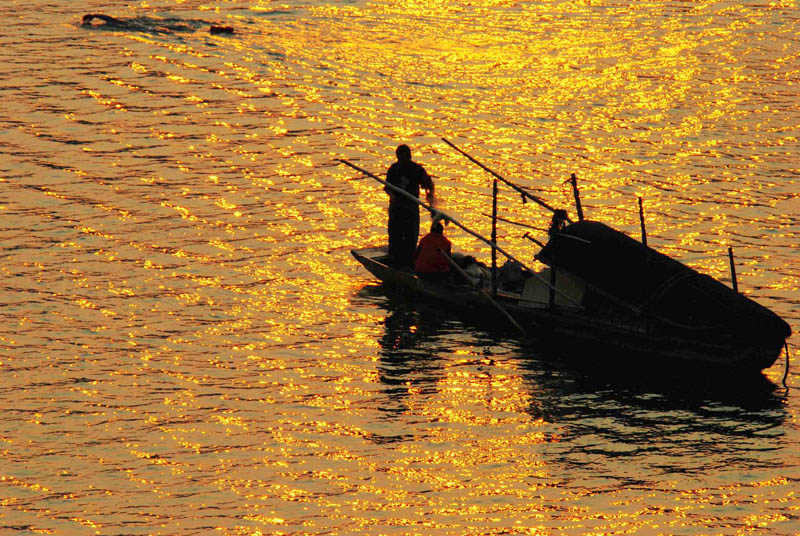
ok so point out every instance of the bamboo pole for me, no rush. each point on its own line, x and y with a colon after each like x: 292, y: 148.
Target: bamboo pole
x: 524, y: 193
x: 532, y: 239
x: 458, y: 224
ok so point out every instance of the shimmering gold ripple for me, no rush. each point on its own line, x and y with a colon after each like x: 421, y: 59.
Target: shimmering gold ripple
x: 188, y: 348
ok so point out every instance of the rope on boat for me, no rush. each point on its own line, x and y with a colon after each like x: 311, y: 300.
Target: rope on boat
x: 438, y: 214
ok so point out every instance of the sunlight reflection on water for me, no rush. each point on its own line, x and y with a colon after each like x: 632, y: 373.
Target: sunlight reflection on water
x: 188, y: 345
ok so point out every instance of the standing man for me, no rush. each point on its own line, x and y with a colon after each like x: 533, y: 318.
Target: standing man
x: 403, y: 212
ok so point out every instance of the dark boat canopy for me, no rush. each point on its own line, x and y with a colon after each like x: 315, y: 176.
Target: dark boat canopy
x: 657, y: 287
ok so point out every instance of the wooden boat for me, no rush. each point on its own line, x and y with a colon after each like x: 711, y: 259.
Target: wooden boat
x: 604, y: 291
x: 613, y: 294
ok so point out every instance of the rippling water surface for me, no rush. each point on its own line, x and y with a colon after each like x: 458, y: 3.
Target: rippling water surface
x: 188, y: 347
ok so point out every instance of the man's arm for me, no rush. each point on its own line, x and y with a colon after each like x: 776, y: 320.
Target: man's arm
x: 426, y: 182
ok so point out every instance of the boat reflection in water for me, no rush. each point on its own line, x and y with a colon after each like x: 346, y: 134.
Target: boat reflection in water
x: 621, y: 329
x: 593, y: 414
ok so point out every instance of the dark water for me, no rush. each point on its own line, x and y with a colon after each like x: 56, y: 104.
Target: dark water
x: 188, y: 347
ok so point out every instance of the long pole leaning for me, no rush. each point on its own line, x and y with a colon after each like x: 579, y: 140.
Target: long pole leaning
x: 525, y: 194
x: 455, y: 222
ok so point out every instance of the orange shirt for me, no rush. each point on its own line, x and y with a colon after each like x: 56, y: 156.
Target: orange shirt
x: 427, y: 259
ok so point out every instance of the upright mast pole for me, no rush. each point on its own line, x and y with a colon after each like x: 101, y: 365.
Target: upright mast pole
x: 641, y: 221
x: 734, y: 282
x: 574, y: 180
x: 494, y: 238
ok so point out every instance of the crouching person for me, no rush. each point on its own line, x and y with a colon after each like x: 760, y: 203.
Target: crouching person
x: 429, y: 262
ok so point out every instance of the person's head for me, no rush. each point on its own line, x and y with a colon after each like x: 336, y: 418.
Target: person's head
x: 403, y: 153
x: 437, y: 227
x: 559, y: 221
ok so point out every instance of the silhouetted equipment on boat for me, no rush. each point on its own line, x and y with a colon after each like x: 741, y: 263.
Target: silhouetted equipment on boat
x: 492, y: 301
x: 605, y: 291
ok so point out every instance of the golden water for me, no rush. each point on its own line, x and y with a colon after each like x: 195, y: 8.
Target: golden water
x: 187, y: 346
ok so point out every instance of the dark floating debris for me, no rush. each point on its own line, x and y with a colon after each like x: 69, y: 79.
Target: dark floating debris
x: 151, y: 25
x: 224, y: 30
x: 107, y: 19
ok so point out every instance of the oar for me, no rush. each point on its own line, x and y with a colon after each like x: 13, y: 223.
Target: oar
x: 525, y: 193
x: 440, y: 214
x: 485, y: 294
